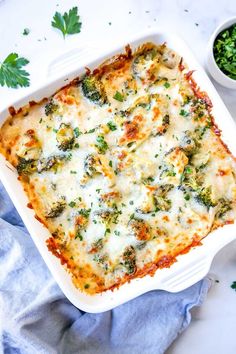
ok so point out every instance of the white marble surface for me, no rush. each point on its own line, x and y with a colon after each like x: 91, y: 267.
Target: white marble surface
x: 213, y: 326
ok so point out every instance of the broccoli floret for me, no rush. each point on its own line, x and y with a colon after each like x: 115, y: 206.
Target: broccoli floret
x: 51, y: 107
x: 93, y: 89
x: 107, y: 216
x: 90, y: 163
x: 199, y: 108
x: 190, y: 142
x: 65, y: 137
x: 144, y: 61
x: 160, y: 197
x: 26, y: 167
x: 204, y: 196
x: 224, y: 206
x: 129, y: 259
x: 162, y: 129
x: 56, y: 209
x: 139, y: 228
x: 190, y: 178
x: 51, y: 162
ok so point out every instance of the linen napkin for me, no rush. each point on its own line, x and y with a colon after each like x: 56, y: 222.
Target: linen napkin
x: 36, y: 318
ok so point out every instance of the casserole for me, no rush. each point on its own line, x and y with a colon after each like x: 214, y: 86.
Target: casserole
x: 137, y: 285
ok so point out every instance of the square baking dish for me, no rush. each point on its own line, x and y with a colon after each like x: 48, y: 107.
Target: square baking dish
x: 189, y: 267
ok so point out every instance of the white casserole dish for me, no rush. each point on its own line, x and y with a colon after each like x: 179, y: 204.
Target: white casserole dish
x: 190, y: 267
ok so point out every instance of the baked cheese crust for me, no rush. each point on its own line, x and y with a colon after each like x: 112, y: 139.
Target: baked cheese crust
x: 125, y: 167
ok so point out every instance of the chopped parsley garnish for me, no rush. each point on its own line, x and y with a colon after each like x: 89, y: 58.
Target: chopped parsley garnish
x: 11, y: 72
x: 86, y: 286
x: 78, y: 235
x: 110, y: 163
x: 77, y: 132
x: 76, y: 145
x: 111, y: 126
x: 26, y: 32
x: 72, y: 204
x: 118, y: 96
x: 183, y: 113
x: 85, y: 212
x: 224, y: 50
x: 69, y: 23
x: 73, y: 172
x: 166, y: 84
x: 117, y: 233
x: 187, y: 197
x: 101, y: 145
x: 90, y: 131
x: 108, y: 231
x: 233, y: 285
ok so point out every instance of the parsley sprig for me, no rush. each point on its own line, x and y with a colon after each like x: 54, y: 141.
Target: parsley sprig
x: 69, y: 23
x: 225, y: 51
x: 11, y: 72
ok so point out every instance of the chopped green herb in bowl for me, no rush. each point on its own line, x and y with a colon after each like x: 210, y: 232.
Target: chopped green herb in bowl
x: 224, y: 50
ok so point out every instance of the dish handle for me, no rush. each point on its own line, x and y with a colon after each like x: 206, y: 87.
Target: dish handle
x: 68, y: 61
x: 183, y: 279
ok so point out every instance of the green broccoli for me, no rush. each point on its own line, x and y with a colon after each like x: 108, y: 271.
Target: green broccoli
x: 65, y: 137
x: 204, y: 196
x: 139, y: 228
x: 47, y: 164
x: 93, y: 89
x: 224, y: 205
x: 56, y: 209
x: 90, y: 163
x: 141, y: 62
x: 190, y: 142
x: 51, y: 107
x: 162, y: 203
x: 190, y: 178
x: 129, y: 259
x: 26, y: 167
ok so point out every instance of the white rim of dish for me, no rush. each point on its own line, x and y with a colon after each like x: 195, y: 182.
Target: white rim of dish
x: 224, y: 25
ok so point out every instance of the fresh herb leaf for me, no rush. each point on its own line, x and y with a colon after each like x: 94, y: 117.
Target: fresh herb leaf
x: 77, y: 132
x: 90, y: 131
x: 233, y: 285
x: 11, y: 72
x: 72, y: 204
x: 166, y: 84
x: 67, y: 23
x: 101, y: 145
x: 111, y: 126
x: 26, y: 32
x: 118, y: 96
x: 78, y: 235
x: 183, y: 113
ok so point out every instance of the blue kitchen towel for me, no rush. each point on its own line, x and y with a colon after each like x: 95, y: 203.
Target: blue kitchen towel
x: 36, y: 318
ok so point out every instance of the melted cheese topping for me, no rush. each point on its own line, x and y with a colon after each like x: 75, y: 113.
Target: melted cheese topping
x: 124, y: 167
